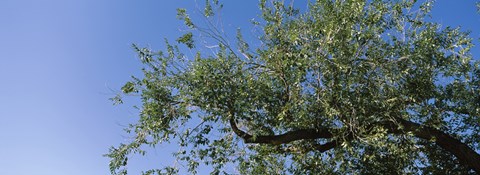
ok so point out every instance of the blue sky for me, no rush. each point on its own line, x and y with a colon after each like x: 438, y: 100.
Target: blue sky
x: 60, y: 60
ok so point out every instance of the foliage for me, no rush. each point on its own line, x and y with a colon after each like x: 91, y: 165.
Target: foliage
x: 478, y: 6
x: 343, y: 87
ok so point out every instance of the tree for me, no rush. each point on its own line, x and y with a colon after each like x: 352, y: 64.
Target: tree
x: 342, y: 87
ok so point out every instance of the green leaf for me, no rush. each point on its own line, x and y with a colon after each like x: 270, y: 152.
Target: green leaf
x: 187, y: 39
x: 129, y: 87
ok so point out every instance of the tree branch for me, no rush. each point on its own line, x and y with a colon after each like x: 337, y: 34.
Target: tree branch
x: 302, y: 134
x: 465, y: 155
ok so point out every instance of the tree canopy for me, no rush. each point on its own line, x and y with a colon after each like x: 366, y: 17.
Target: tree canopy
x: 341, y: 87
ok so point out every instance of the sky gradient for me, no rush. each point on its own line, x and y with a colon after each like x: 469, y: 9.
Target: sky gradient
x: 61, y: 60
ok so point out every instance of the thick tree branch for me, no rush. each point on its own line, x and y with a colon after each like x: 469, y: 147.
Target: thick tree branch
x: 302, y: 134
x: 462, y: 151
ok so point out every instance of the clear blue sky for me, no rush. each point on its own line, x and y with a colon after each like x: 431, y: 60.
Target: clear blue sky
x: 59, y: 59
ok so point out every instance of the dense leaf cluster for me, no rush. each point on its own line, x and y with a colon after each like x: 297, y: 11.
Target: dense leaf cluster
x: 367, y: 77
